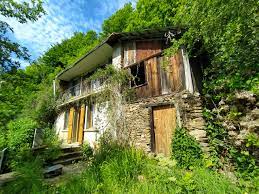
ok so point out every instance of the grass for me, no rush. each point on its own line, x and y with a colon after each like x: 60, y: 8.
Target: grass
x: 117, y: 169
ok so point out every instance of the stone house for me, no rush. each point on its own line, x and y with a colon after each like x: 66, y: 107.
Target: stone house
x: 166, y: 90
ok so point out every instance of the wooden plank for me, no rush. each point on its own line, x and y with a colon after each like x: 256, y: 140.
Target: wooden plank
x: 155, y: 82
x: 70, y: 124
x: 164, y: 70
x: 164, y: 126
x: 177, y: 79
x: 129, y: 53
x: 81, y: 124
x: 147, y: 48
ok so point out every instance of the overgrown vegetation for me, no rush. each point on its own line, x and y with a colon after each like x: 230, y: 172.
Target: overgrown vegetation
x: 225, y: 31
x: 186, y: 150
x: 122, y: 169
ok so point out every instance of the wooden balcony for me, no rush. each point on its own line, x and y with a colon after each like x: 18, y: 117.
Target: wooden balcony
x: 79, y: 91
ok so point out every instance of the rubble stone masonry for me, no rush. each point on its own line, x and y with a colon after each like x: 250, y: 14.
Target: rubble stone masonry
x: 138, y: 118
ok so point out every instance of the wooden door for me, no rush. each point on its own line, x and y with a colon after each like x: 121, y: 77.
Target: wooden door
x: 164, y: 126
x: 75, y: 126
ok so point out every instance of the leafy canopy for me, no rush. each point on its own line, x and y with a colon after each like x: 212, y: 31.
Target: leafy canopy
x: 23, y: 12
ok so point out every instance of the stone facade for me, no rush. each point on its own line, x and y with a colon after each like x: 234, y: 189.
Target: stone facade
x: 138, y: 116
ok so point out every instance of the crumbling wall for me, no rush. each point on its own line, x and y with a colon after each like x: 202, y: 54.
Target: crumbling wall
x: 137, y: 118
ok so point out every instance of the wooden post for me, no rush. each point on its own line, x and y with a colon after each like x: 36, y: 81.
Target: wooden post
x: 81, y: 124
x: 70, y: 124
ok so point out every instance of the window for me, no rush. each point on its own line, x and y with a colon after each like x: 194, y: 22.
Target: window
x: 89, y: 112
x: 139, y: 74
x: 66, y: 117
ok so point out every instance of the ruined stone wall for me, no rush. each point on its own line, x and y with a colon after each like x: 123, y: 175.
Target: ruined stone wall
x: 137, y: 118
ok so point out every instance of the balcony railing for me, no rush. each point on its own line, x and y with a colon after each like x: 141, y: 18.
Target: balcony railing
x: 81, y: 89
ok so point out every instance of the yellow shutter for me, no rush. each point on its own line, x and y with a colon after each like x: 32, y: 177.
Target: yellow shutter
x: 81, y: 124
x: 70, y: 124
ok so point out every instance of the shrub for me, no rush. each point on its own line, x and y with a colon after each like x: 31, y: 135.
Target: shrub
x: 50, y: 139
x: 2, y: 140
x: 186, y: 150
x: 29, y: 179
x: 87, y: 151
x: 19, y: 139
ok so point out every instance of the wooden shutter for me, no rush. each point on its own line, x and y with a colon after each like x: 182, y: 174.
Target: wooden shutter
x: 81, y: 124
x: 70, y: 124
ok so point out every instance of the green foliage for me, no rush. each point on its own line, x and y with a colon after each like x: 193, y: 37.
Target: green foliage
x: 29, y: 179
x: 69, y: 50
x: 186, y: 150
x: 244, y: 159
x: 120, y: 169
x: 87, y: 151
x: 20, y: 132
x: 2, y: 141
x: 118, y: 21
x: 23, y: 12
x: 19, y: 139
x: 150, y: 14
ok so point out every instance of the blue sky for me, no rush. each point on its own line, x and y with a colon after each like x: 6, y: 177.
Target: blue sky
x: 63, y: 18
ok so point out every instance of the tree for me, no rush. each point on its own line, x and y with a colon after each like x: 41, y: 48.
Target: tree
x: 23, y: 12
x: 119, y: 21
x: 66, y: 52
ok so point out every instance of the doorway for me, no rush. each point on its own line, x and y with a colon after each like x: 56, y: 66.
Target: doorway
x: 164, y: 120
x: 75, y: 126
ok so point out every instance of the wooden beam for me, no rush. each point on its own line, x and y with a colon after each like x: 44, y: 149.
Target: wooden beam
x: 145, y: 59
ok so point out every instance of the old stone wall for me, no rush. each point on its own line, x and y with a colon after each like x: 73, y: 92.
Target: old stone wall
x: 137, y: 118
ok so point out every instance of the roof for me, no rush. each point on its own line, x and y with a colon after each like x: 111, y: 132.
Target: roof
x: 104, y: 49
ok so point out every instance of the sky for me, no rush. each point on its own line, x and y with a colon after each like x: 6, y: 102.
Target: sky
x: 62, y: 19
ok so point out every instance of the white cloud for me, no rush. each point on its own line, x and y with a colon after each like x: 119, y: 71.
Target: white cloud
x: 63, y: 18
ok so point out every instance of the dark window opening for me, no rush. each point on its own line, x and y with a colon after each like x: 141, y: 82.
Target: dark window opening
x: 139, y: 74
x: 66, y: 120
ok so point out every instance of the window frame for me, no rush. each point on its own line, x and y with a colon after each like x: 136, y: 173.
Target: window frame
x: 66, y: 120
x: 87, y: 111
x: 145, y: 74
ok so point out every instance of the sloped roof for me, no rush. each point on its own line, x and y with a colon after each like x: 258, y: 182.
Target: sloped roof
x: 104, y: 49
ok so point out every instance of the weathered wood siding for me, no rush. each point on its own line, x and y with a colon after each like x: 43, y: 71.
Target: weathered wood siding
x: 164, y: 126
x: 129, y: 54
x: 145, y: 49
x: 164, y: 75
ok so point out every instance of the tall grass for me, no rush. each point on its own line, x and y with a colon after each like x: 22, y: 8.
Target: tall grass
x: 121, y: 169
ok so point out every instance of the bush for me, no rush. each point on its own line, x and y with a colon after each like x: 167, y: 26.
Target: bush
x: 19, y: 139
x: 2, y: 140
x: 186, y: 150
x: 87, y: 151
x: 29, y: 179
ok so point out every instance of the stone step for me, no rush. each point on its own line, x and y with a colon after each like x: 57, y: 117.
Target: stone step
x: 67, y: 161
x: 53, y: 171
x: 67, y: 155
x: 70, y: 149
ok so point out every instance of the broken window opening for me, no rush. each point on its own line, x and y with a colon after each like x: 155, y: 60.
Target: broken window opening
x: 139, y: 74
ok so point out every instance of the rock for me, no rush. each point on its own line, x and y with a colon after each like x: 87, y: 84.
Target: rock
x: 250, y: 125
x: 242, y: 135
x: 232, y: 133
x: 247, y: 96
x: 198, y: 133
x: 229, y: 125
x: 222, y: 102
